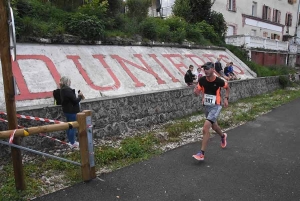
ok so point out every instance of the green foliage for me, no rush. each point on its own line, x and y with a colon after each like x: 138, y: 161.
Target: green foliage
x: 85, y: 26
x: 67, y: 5
x: 138, y: 9
x: 201, y: 10
x: 284, y: 81
x: 115, y: 7
x: 177, y: 27
x: 164, y: 34
x: 261, y: 71
x: 96, y: 8
x: 131, y: 148
x: 238, y: 51
x: 218, y: 22
x: 176, y: 129
x: 197, y: 11
x: 39, y: 20
x: 40, y: 11
x: 194, y: 33
x: 148, y: 28
x: 181, y: 8
x: 208, y: 32
x: 139, y: 146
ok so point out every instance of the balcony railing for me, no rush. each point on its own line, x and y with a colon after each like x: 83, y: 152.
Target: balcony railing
x: 248, y: 41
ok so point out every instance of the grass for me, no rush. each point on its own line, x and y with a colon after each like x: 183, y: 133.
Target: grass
x: 137, y: 148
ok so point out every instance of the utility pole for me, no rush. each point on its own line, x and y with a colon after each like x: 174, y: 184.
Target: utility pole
x: 9, y: 93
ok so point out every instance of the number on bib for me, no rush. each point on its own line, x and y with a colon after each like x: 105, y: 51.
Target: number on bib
x: 209, y: 99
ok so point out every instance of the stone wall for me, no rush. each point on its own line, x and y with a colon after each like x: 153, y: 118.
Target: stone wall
x: 117, y: 115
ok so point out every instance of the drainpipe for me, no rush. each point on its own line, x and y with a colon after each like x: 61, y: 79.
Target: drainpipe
x: 296, y: 30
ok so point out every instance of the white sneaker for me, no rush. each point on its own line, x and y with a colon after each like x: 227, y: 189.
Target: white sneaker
x: 76, y: 144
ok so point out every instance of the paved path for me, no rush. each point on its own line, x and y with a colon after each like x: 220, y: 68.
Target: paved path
x: 261, y: 162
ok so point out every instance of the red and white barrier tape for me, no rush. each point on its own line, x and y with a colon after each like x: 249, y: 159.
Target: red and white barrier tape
x: 35, y: 118
x: 12, y: 135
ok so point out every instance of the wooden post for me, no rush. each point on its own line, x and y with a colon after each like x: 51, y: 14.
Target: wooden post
x: 9, y: 93
x: 88, y: 114
x: 83, y: 145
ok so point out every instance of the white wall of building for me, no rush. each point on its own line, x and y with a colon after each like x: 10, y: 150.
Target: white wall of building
x: 246, y: 17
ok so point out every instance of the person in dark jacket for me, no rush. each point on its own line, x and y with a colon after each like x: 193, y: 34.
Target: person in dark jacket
x: 56, y: 95
x: 219, y: 69
x: 70, y: 106
x: 189, y: 77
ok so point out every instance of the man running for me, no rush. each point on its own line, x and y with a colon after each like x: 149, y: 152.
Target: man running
x: 210, y: 87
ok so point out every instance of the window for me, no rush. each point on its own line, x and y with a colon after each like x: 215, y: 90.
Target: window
x: 230, y: 30
x: 266, y: 13
x: 265, y: 34
x: 254, y: 8
x: 288, y: 19
x: 231, y: 5
x: 275, y: 36
x: 276, y: 15
x: 292, y: 1
x: 253, y: 32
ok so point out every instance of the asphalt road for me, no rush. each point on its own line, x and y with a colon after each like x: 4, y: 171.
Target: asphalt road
x: 261, y: 162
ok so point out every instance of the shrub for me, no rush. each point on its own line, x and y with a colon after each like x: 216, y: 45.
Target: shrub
x: 208, y: 32
x: 283, y: 81
x: 85, y: 26
x: 138, y: 9
x: 195, y: 34
x: 148, y: 28
x: 94, y: 7
x: 178, y: 36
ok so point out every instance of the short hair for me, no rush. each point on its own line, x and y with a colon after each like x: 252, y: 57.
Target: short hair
x: 191, y: 66
x: 65, y: 81
x: 231, y: 62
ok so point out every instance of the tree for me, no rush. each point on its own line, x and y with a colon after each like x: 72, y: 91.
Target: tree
x: 195, y: 11
x: 114, y: 7
x: 138, y: 9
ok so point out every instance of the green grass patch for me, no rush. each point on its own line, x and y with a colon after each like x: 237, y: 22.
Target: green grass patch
x: 174, y: 130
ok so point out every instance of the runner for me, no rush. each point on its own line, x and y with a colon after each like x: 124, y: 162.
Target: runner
x: 210, y: 87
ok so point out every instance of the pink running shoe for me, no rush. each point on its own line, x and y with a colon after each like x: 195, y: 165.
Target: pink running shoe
x: 199, y: 156
x: 224, y: 141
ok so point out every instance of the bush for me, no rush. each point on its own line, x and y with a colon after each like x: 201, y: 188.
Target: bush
x: 283, y: 81
x: 148, y: 28
x: 94, y: 7
x: 195, y: 34
x: 85, y: 26
x: 208, y: 32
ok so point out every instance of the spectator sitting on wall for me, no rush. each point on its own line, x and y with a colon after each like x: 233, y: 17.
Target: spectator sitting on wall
x: 219, y: 69
x: 226, y: 71
x: 199, y: 74
x: 189, y: 77
x: 231, y: 73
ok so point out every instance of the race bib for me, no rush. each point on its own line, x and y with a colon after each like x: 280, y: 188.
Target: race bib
x: 209, y: 99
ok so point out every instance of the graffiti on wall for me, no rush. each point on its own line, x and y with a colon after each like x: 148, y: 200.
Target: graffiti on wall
x: 137, y: 61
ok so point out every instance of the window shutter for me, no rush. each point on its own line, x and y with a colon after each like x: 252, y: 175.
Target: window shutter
x: 233, y: 5
x: 286, y: 19
x: 269, y: 13
x: 290, y: 21
x: 279, y: 17
x: 274, y: 13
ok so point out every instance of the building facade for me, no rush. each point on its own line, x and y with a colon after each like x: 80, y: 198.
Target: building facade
x: 268, y: 29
